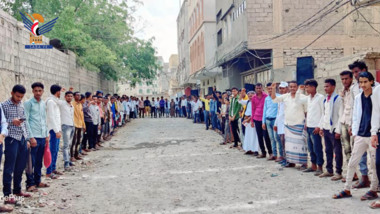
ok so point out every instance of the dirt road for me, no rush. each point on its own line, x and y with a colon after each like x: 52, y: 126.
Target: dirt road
x: 175, y: 166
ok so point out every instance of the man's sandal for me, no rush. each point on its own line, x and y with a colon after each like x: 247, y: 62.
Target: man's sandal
x: 342, y: 194
x: 43, y: 185
x: 6, y: 209
x: 361, y: 184
x: 57, y: 172
x: 375, y: 205
x: 369, y: 196
x: 32, y: 189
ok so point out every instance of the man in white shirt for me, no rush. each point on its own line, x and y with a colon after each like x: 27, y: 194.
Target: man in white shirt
x: 157, y: 107
x: 54, y: 125
x: 67, y: 119
x: 330, y: 129
x: 183, y: 106
x: 375, y: 134
x: 279, y: 124
x: 196, y: 105
x: 96, y: 126
x: 314, y: 115
x: 294, y: 125
x: 127, y: 109
x: 356, y: 68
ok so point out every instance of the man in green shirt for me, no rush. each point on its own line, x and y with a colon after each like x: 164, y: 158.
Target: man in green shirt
x: 234, y: 116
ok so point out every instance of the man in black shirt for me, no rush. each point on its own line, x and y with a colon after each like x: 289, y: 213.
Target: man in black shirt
x: 361, y: 131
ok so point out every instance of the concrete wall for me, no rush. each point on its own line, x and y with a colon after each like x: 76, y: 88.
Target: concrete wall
x: 332, y: 68
x: 50, y: 66
x: 234, y: 27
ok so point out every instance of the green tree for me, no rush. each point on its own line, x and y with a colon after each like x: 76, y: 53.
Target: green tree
x: 99, y: 33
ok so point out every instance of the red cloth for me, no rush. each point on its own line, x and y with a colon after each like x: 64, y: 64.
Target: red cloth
x: 258, y: 107
x: 47, y: 156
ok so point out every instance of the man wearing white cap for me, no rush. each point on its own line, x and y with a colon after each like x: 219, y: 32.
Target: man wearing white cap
x: 279, y: 124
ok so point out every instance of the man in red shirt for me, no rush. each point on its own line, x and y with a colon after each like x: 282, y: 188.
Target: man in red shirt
x: 258, y: 102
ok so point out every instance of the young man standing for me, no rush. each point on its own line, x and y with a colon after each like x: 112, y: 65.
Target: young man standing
x: 188, y: 109
x: 296, y: 151
x: 141, y: 107
x: 361, y: 132
x: 79, y: 126
x: 16, y: 144
x: 279, y: 124
x: 162, y: 107
x: 330, y: 130
x: 177, y: 106
x: 250, y: 145
x: 375, y: 135
x: 207, y: 110
x: 153, y: 109
x: 107, y: 119
x: 269, y: 118
x: 356, y: 68
x: 234, y: 116
x: 87, y: 121
x: 314, y: 115
x: 67, y: 120
x: 35, y: 110
x: 147, y: 106
x: 183, y: 106
x: 96, y: 122
x: 243, y: 94
x: 157, y: 105
x: 346, y: 113
x: 213, y: 108
x: 54, y: 127
x: 258, y: 101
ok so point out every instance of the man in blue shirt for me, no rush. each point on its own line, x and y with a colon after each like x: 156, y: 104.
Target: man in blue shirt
x: 162, y: 107
x: 35, y: 111
x: 269, y: 118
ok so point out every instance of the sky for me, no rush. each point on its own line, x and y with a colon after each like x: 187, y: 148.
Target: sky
x: 158, y: 18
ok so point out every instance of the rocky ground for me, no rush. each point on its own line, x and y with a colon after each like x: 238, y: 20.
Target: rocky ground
x: 174, y: 166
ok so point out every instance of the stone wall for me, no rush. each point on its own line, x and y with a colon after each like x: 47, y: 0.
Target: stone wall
x: 49, y: 66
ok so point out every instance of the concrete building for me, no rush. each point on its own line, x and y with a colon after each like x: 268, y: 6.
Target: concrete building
x: 183, y: 70
x: 242, y: 42
x: 158, y: 87
x: 202, y: 43
x: 174, y: 88
x: 262, y: 40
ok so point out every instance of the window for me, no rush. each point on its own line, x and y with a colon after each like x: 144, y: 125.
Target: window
x: 214, y: 80
x: 208, y: 82
x: 220, y: 37
x: 140, y: 84
x: 218, y: 16
x: 148, y: 91
x: 140, y: 91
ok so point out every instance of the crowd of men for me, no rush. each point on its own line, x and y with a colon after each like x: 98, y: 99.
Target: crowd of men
x: 288, y: 123
x: 31, y: 132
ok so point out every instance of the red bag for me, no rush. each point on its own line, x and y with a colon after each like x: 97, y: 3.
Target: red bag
x: 47, y: 156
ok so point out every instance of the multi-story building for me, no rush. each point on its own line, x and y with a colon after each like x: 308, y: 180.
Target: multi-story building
x: 242, y: 42
x: 202, y: 25
x: 265, y: 40
x: 174, y: 87
x: 158, y: 87
x: 183, y: 71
